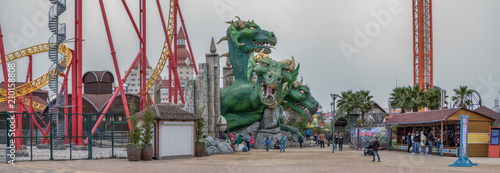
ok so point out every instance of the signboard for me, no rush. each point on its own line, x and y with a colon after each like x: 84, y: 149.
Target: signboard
x: 463, y: 160
x: 479, y: 138
x: 494, y: 136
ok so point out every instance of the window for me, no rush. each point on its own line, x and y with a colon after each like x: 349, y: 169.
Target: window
x: 180, y: 72
x: 187, y: 77
x: 180, y: 77
x: 132, y: 79
x: 133, y: 74
x: 132, y: 84
x: 183, y: 83
x: 136, y: 90
x: 187, y: 72
x: 180, y: 67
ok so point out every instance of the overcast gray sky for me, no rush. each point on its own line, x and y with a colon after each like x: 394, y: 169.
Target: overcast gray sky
x: 324, y: 36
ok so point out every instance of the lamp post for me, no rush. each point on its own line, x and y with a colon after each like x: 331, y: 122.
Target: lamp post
x: 334, y: 96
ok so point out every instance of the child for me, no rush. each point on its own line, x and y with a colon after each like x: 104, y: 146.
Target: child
x: 267, y: 144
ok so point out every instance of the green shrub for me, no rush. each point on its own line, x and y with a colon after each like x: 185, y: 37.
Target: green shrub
x: 147, y: 126
x: 134, y: 135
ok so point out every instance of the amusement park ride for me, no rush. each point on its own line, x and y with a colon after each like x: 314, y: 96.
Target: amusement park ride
x: 66, y: 59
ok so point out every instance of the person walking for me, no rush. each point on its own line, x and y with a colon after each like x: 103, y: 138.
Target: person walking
x: 416, y: 143
x: 322, y: 140
x: 308, y: 135
x: 301, y: 140
x: 316, y: 139
x: 328, y: 139
x: 251, y: 141
x: 283, y: 142
x: 335, y: 141
x: 247, y: 140
x: 438, y: 142
x: 430, y: 138
x: 267, y: 144
x: 408, y: 141
x: 423, y: 141
x: 341, y: 141
x: 375, y: 149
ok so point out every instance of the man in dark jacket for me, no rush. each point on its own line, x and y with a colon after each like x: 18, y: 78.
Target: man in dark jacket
x: 375, y: 149
x: 416, y: 143
x: 430, y: 138
x: 408, y: 140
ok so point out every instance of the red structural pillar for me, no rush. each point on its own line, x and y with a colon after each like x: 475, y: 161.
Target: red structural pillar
x: 143, y: 67
x: 78, y: 51
x: 19, y: 123
x: 422, y: 44
x: 5, y: 74
x: 174, y: 65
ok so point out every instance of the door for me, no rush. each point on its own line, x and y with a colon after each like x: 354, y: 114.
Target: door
x: 177, y: 138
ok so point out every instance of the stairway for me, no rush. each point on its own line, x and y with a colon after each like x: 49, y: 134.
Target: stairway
x: 59, y: 30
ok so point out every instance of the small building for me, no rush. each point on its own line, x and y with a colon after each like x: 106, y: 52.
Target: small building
x: 446, y: 122
x: 174, y: 131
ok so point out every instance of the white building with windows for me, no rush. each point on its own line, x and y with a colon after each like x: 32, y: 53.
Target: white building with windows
x: 133, y: 83
x: 185, y: 69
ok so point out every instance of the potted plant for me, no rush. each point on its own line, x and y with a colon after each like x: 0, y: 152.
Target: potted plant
x: 199, y: 144
x: 134, y: 135
x: 147, y: 126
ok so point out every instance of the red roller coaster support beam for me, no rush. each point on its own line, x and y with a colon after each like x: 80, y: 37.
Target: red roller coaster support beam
x: 77, y: 74
x: 187, y: 37
x: 132, y: 20
x: 113, y: 98
x: 143, y: 62
x: 5, y: 74
x: 422, y: 44
x: 117, y: 71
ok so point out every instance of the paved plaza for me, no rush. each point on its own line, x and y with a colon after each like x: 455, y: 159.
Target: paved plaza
x: 293, y: 160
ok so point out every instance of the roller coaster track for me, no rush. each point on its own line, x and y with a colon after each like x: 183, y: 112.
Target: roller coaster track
x: 165, y: 52
x: 41, y: 81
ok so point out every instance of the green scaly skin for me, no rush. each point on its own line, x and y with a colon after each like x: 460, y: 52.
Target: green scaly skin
x: 300, y: 100
x: 243, y: 104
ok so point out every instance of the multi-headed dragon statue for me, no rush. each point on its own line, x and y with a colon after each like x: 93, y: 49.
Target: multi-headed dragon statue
x: 260, y: 82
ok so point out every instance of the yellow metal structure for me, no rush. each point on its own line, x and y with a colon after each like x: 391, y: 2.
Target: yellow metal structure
x: 165, y: 52
x: 39, y: 82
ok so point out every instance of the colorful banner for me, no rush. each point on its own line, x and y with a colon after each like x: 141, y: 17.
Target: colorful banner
x: 367, y: 135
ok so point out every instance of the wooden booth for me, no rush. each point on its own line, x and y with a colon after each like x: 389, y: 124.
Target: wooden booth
x: 174, y: 131
x: 446, y: 126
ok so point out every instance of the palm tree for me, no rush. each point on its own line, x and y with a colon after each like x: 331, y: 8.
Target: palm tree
x: 461, y: 95
x: 365, y: 103
x: 432, y: 98
x: 399, y: 98
x: 347, y: 102
x: 417, y: 98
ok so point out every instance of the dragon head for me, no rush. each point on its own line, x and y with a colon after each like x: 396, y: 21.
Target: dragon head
x: 300, y: 100
x: 273, y: 77
x: 248, y: 36
x: 244, y: 38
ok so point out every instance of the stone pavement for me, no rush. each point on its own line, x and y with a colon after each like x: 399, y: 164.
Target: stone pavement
x: 293, y: 160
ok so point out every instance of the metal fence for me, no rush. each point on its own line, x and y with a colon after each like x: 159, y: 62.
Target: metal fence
x: 53, y: 137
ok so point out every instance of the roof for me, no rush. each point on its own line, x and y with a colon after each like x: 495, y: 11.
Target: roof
x: 181, y: 34
x: 99, y: 76
x: 424, y: 117
x: 138, y: 62
x: 488, y: 112
x: 375, y: 105
x: 169, y: 111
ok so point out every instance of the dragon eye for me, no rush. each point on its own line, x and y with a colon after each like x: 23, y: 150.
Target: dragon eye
x: 302, y: 91
x: 265, y: 64
x: 285, y: 69
x: 252, y: 27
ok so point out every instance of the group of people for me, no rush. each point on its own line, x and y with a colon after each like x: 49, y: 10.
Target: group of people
x: 419, y: 140
x: 335, y: 139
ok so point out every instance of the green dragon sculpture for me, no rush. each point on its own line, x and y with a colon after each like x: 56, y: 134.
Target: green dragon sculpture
x: 243, y: 102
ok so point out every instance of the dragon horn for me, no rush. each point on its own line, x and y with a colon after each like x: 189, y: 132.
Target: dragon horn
x: 222, y: 39
x: 301, y: 79
x: 238, y: 17
x: 225, y: 54
x: 296, y: 84
x: 252, y: 21
x: 292, y: 65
